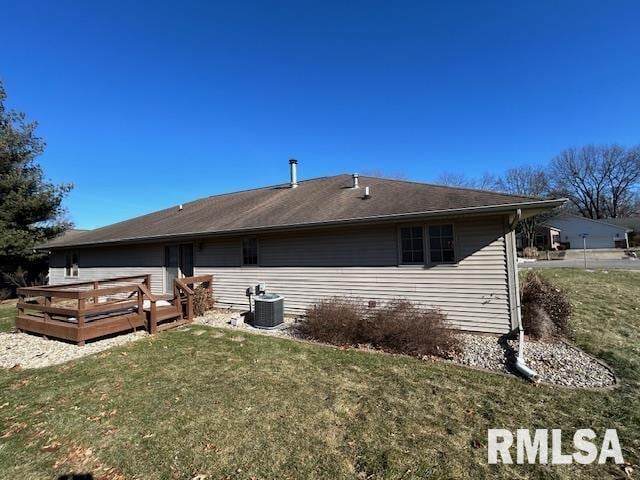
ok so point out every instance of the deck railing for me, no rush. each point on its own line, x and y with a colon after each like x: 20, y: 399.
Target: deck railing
x: 83, y: 310
x: 184, y: 290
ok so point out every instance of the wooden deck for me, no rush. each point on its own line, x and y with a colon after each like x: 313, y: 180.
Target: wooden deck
x: 87, y: 310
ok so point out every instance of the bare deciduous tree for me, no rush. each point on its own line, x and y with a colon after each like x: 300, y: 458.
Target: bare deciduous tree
x: 527, y: 181
x: 600, y: 181
x: 487, y: 181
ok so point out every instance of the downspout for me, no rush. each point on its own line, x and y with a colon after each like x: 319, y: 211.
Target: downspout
x: 520, y: 364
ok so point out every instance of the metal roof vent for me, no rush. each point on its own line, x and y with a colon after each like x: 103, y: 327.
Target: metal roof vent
x: 355, y: 180
x: 180, y: 207
x: 293, y: 167
x: 367, y: 193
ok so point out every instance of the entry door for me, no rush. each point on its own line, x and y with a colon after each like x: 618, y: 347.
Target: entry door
x: 178, y: 262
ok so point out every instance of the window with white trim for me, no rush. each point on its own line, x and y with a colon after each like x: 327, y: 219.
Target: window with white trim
x: 412, y: 245
x: 441, y: 249
x: 71, y: 264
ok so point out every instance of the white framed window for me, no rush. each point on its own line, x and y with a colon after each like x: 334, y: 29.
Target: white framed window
x: 71, y: 264
x: 412, y: 245
x: 441, y: 244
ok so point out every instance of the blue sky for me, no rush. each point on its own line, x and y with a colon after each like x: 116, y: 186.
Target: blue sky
x: 148, y: 104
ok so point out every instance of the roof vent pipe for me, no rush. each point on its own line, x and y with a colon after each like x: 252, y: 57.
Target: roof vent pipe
x: 180, y: 208
x: 367, y: 193
x: 355, y: 180
x: 293, y: 166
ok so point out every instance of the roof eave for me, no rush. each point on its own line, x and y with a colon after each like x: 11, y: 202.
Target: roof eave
x: 402, y: 217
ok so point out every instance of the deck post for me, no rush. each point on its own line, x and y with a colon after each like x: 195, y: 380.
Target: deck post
x: 153, y: 319
x: 141, y: 304
x: 189, y: 308
x: 95, y: 287
x: 81, y: 315
x: 177, y: 298
x: 47, y: 303
x: 147, y: 281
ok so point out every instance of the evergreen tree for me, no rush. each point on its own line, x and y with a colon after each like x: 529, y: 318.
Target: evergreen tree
x: 31, y: 210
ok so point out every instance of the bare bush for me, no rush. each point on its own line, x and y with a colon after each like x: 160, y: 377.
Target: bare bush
x: 399, y: 327
x: 402, y: 327
x: 202, y: 300
x: 536, y: 322
x: 539, y: 295
x: 530, y: 252
x: 335, y: 320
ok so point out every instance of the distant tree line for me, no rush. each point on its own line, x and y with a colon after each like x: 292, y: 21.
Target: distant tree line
x: 600, y: 181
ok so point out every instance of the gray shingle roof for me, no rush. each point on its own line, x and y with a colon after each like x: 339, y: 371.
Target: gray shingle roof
x: 324, y: 200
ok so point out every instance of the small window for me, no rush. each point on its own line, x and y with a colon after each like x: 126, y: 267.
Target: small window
x: 441, y: 244
x: 250, y: 251
x: 71, y: 264
x: 411, y: 245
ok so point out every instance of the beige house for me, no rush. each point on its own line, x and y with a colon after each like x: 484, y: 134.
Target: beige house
x: 372, y: 238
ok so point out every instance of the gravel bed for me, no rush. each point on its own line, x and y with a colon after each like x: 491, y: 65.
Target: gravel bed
x: 23, y: 350
x: 555, y: 363
x: 226, y: 318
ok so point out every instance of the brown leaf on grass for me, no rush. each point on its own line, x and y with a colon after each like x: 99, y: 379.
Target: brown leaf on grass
x: 52, y: 447
x: 13, y: 429
x: 19, y: 384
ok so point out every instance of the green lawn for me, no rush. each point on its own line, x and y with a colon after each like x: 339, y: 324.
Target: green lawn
x: 246, y: 406
x: 7, y: 316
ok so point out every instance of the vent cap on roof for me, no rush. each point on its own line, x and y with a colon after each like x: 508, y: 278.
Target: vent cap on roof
x: 293, y: 167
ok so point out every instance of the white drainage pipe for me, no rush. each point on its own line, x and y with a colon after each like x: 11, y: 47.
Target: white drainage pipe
x: 520, y: 364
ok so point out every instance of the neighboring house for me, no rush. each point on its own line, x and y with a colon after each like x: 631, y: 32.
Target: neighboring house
x: 632, y: 224
x: 379, y: 239
x: 599, y: 233
x: 546, y: 238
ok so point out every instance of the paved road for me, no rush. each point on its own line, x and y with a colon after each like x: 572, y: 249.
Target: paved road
x: 591, y: 264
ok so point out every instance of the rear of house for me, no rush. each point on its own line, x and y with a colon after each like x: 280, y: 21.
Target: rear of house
x: 366, y: 237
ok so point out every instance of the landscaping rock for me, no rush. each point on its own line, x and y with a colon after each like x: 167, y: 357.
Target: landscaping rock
x: 233, y: 320
x: 556, y: 363
x: 23, y: 350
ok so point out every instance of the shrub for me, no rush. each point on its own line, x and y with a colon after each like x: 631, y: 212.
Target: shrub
x: 545, y: 308
x: 399, y: 327
x: 336, y: 320
x: 530, y: 252
x: 202, y: 300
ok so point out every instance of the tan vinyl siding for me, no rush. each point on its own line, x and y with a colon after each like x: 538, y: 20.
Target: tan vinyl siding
x: 473, y: 292
x: 101, y: 263
x: 368, y: 246
x: 359, y: 261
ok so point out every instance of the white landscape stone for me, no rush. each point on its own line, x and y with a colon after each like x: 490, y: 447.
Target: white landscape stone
x: 24, y: 350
